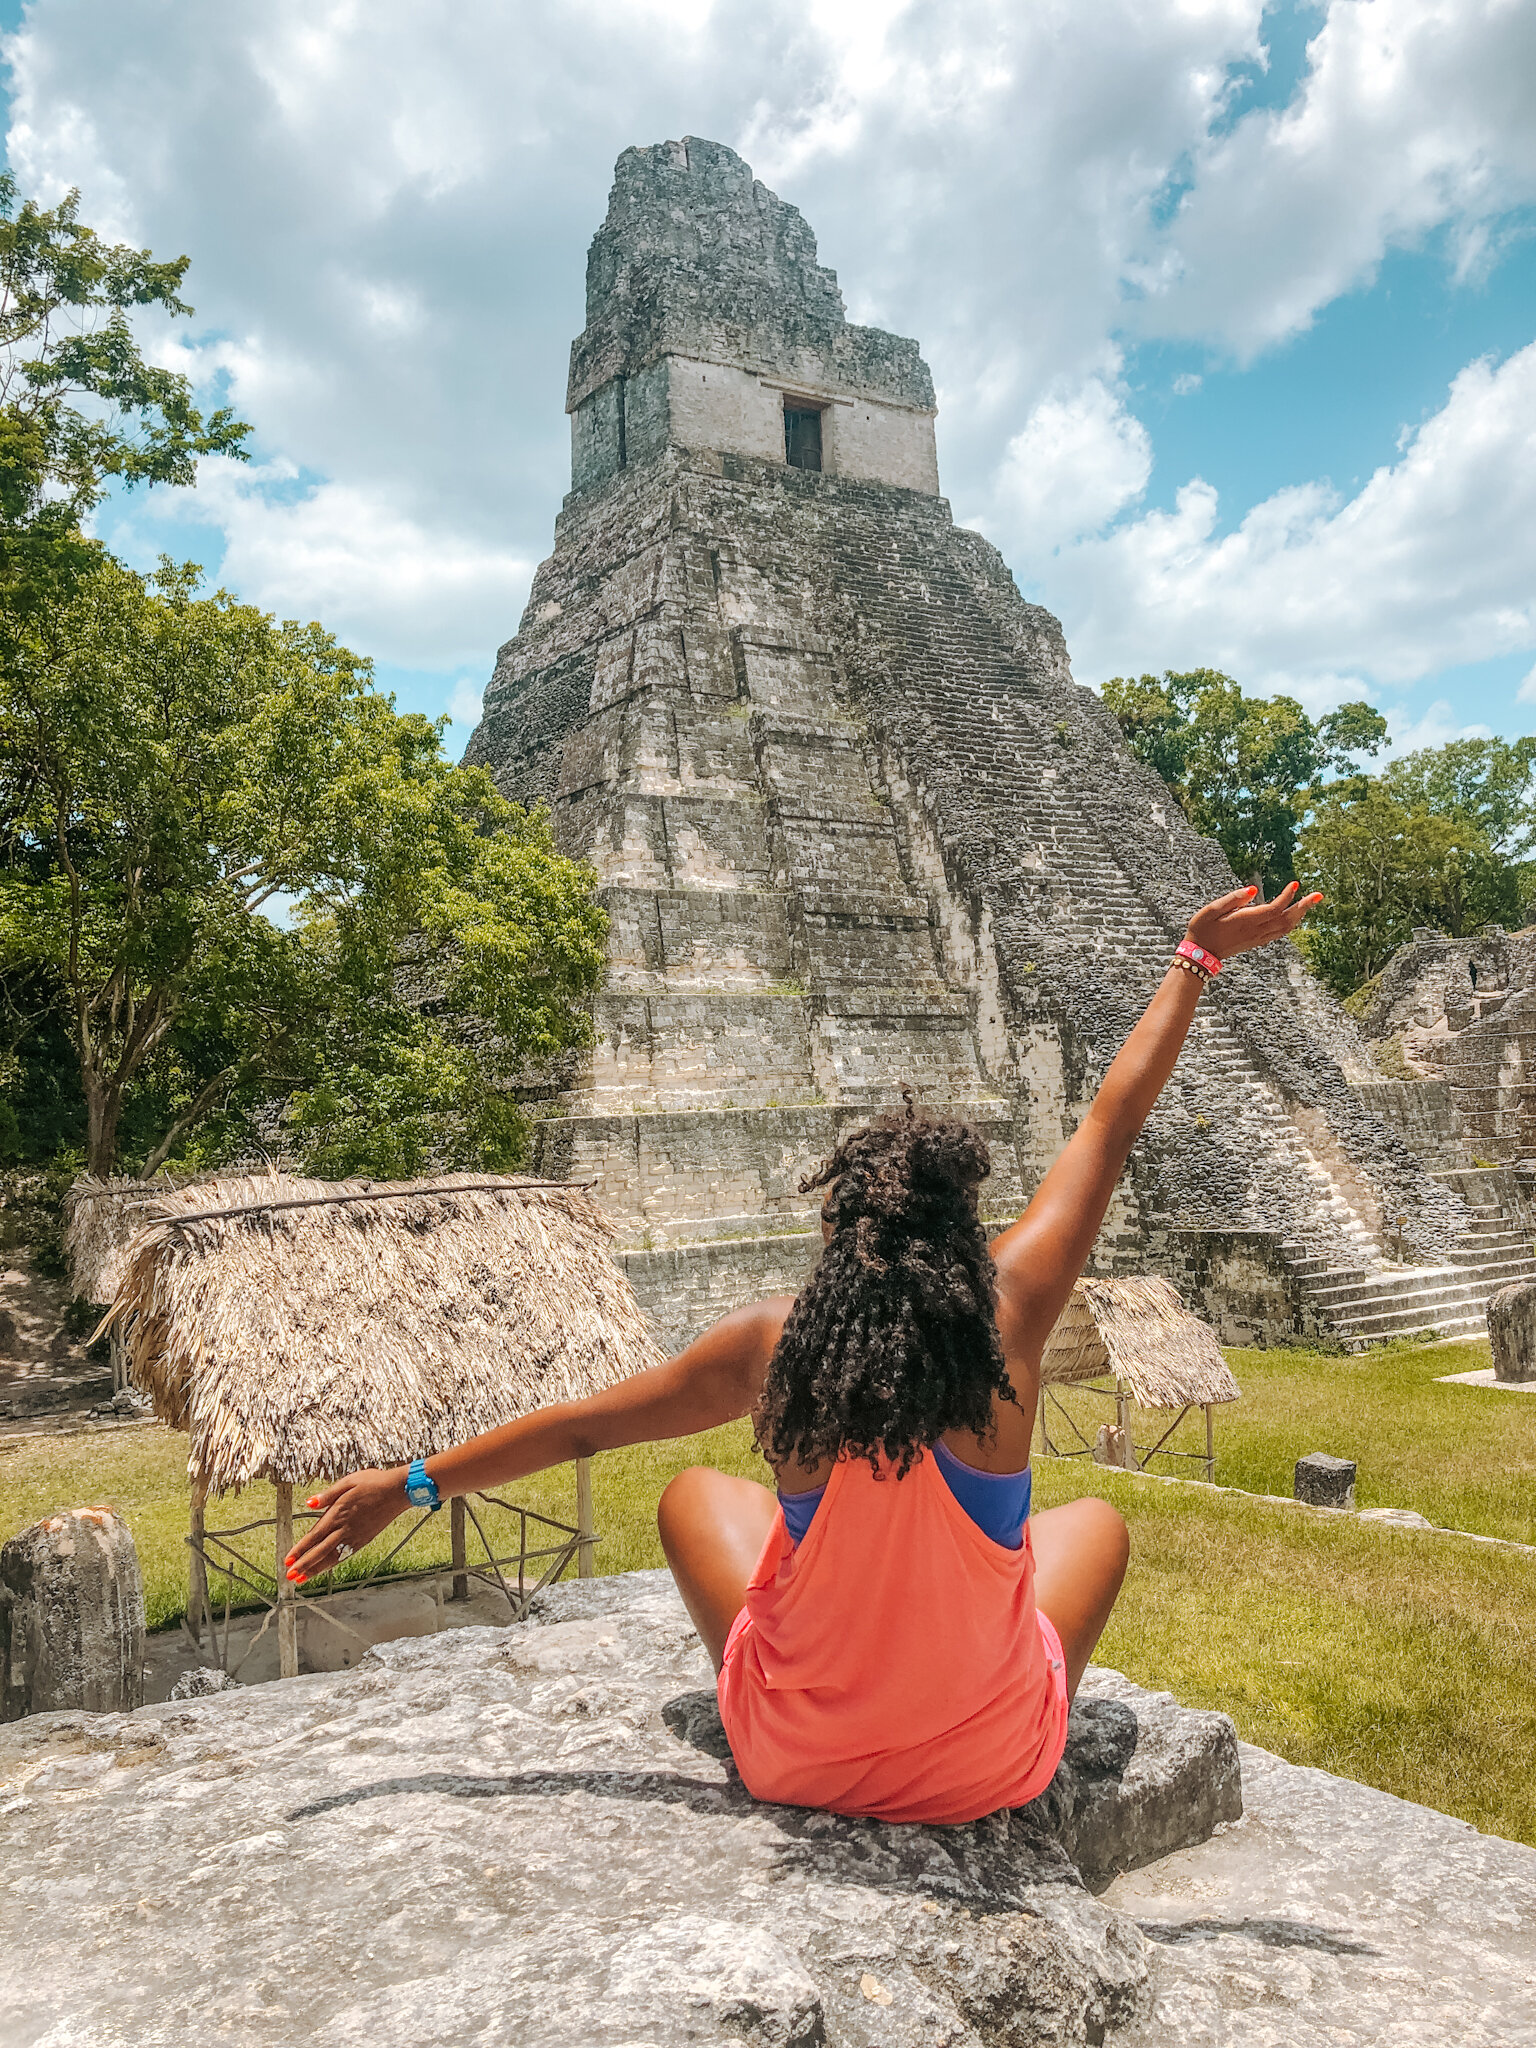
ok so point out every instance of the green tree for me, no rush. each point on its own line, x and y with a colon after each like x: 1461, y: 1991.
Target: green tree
x: 1441, y: 839
x: 175, y: 768
x: 1244, y: 769
x: 79, y: 405
x: 1486, y: 783
x: 1385, y: 866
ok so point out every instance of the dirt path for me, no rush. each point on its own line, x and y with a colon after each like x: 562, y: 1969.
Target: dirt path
x: 47, y: 1381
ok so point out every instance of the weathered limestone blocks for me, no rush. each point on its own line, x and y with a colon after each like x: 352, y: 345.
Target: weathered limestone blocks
x: 1512, y: 1331
x: 1324, y: 1482
x: 71, y: 1616
x: 693, y: 1048
x: 535, y: 1834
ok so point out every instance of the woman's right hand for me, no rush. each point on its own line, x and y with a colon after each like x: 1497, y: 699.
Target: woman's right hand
x: 354, y: 1511
x: 1238, y: 923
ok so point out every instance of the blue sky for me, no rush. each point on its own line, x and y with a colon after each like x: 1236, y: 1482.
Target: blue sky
x: 1232, y: 310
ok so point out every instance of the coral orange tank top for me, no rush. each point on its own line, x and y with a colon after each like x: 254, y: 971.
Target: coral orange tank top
x: 894, y: 1662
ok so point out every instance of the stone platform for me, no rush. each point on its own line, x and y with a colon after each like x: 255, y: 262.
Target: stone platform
x: 534, y: 1835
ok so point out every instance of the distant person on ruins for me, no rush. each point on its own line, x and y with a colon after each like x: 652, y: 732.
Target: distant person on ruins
x: 893, y: 1633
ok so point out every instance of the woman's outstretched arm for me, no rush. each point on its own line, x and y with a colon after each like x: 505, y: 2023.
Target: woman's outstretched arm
x: 717, y: 1379
x: 1039, y: 1258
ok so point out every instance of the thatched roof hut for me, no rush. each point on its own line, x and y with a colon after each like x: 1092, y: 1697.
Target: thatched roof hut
x: 301, y: 1329
x: 1138, y: 1332
x: 101, y: 1220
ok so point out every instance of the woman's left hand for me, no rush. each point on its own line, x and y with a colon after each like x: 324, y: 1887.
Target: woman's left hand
x: 354, y: 1511
x: 1239, y: 923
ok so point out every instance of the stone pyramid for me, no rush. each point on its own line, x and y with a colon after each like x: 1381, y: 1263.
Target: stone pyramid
x: 857, y: 828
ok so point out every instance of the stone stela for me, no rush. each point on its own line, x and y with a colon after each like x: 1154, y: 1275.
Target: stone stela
x: 856, y: 826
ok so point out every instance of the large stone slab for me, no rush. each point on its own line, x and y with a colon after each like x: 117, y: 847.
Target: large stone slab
x: 535, y: 1835
x: 1335, y: 1916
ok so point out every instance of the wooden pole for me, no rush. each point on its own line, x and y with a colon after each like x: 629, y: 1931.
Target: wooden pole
x: 118, y: 1352
x: 1123, y: 1419
x: 586, y: 1532
x: 460, y: 1553
x: 1210, y: 1445
x: 198, y: 1610
x: 287, y: 1592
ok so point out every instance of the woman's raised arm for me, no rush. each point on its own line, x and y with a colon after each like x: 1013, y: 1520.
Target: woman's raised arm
x: 1039, y: 1258
x: 716, y: 1379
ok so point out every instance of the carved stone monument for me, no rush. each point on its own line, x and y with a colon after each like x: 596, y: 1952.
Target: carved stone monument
x: 71, y: 1616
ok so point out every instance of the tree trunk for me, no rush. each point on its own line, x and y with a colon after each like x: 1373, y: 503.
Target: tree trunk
x: 103, y: 1109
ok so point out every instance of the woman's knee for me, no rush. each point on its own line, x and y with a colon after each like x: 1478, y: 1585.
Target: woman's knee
x: 1093, y: 1530
x: 1110, y: 1536
x: 678, y: 1496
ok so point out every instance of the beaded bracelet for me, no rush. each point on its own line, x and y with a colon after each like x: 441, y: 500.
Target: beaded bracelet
x: 1188, y: 966
x: 1187, y: 949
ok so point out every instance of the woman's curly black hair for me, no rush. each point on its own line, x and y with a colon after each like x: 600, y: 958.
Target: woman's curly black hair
x: 894, y: 1338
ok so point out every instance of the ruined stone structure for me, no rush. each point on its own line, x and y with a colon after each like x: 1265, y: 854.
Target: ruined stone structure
x: 1461, y: 1013
x: 856, y: 826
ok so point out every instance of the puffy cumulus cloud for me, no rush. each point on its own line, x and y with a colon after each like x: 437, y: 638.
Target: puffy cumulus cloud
x: 388, y: 209
x: 1432, y: 727
x: 1078, y: 460
x: 1429, y: 565
x: 418, y: 595
x: 1414, y: 115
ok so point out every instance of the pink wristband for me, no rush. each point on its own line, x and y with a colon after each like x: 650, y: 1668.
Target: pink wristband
x: 1188, y: 950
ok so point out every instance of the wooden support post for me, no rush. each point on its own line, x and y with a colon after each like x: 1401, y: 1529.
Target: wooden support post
x: 198, y: 1610
x: 117, y: 1351
x: 460, y: 1553
x: 287, y: 1592
x: 1210, y: 1445
x: 1045, y: 1435
x: 1123, y: 1419
x: 587, y: 1534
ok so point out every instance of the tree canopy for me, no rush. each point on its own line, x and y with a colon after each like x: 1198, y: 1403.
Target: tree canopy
x: 79, y: 405
x: 231, y: 873
x: 1244, y: 769
x: 1440, y: 839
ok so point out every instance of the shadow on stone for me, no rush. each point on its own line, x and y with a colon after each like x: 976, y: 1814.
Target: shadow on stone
x: 694, y: 1718
x: 1271, y: 1933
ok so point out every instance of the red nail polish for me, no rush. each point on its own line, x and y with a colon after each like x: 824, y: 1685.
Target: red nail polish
x: 312, y: 1503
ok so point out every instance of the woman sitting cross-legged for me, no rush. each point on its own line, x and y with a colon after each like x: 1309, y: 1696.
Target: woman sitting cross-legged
x: 893, y: 1633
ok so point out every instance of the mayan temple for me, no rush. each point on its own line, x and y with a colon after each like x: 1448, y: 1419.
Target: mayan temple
x: 857, y: 827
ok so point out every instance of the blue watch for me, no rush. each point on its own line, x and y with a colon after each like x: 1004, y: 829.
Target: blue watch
x: 421, y: 1488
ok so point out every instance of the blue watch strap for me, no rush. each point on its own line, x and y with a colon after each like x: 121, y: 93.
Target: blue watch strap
x: 421, y: 1488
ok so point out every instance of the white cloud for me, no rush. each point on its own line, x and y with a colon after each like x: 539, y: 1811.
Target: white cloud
x: 1415, y: 115
x: 416, y: 595
x: 464, y: 705
x: 1526, y: 694
x: 1432, y: 727
x: 388, y: 210
x: 1079, y: 459
x: 1428, y: 565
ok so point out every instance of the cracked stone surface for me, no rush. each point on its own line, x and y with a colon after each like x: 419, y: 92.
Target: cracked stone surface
x: 534, y: 1835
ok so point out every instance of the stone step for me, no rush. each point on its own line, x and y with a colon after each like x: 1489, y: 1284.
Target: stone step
x: 1342, y: 1294
x: 1360, y: 1310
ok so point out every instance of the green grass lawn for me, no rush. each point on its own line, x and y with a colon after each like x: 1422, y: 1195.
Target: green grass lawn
x: 1406, y: 1661
x: 1464, y: 1457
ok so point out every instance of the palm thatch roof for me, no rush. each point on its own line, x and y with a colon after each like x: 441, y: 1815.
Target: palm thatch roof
x: 1139, y: 1331
x: 101, y: 1220
x: 305, y: 1328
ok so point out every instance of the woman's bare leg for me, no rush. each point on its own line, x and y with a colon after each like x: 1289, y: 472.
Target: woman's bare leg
x: 713, y: 1528
x: 1080, y: 1557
